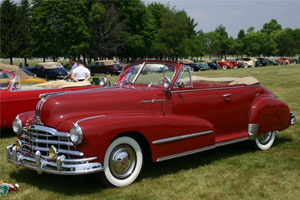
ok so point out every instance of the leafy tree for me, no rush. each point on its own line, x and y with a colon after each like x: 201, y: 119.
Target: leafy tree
x: 222, y: 41
x: 59, y: 28
x: 25, y: 37
x: 285, y: 42
x: 271, y: 26
x: 8, y: 26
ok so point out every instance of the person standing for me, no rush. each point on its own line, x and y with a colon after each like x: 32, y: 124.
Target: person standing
x: 74, y: 65
x: 80, y: 73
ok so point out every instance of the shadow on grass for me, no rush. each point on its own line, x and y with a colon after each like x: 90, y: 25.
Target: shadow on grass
x: 88, y: 184
x: 7, y: 133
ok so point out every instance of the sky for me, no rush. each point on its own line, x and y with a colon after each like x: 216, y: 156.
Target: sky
x: 236, y: 15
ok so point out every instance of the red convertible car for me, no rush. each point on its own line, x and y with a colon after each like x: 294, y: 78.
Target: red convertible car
x: 149, y: 113
x: 16, y: 98
x: 229, y: 64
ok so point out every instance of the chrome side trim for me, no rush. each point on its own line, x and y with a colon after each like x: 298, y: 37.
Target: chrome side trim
x: 252, y: 131
x: 201, y: 149
x: 211, y: 89
x: 185, y: 153
x: 181, y: 137
x: 88, y: 118
x: 293, y: 119
x: 232, y: 141
x: 152, y: 101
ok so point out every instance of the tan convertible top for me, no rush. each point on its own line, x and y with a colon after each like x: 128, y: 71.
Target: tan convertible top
x: 224, y: 80
x: 49, y: 65
x: 57, y: 84
x: 15, y: 68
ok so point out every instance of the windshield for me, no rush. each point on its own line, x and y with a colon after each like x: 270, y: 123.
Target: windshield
x: 5, y: 79
x: 149, y: 73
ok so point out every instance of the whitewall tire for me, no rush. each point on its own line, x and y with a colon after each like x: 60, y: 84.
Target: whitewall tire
x: 123, y: 162
x: 224, y: 66
x: 265, y: 141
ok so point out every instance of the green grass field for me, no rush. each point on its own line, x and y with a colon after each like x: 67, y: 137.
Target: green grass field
x: 229, y: 172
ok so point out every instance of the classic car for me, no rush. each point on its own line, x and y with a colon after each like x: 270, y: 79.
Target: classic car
x: 105, y: 67
x: 247, y: 62
x: 281, y: 61
x: 213, y: 65
x: 17, y: 97
x: 144, y: 115
x: 261, y: 62
x: 194, y: 66
x: 273, y: 62
x: 226, y: 64
x: 50, y: 70
x: 25, y: 76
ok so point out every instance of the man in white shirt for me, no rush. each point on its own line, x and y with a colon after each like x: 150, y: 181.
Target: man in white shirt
x: 80, y: 73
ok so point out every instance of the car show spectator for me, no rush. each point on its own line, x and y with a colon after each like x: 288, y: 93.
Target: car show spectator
x: 80, y: 73
x: 74, y: 65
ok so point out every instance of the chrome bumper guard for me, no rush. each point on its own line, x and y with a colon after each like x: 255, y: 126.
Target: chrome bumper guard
x: 293, y: 119
x: 60, y: 165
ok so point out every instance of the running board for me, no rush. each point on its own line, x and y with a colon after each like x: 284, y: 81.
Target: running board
x: 201, y: 149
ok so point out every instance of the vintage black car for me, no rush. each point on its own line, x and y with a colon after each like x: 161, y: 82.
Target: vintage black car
x: 49, y: 70
x: 261, y: 62
x: 105, y: 67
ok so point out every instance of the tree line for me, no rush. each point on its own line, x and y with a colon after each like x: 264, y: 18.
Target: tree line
x: 127, y: 29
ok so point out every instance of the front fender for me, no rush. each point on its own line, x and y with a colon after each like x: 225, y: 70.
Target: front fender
x: 99, y: 132
x: 270, y: 114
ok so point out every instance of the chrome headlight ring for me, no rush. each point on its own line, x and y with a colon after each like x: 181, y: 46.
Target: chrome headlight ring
x: 17, y: 126
x: 76, y: 134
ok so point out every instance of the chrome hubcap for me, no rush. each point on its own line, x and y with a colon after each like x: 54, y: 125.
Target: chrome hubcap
x: 265, y: 138
x: 122, y: 161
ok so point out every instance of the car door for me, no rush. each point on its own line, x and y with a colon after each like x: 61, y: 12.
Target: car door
x: 221, y: 105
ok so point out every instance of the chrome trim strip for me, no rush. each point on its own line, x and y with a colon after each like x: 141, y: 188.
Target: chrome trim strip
x: 52, y: 142
x: 211, y: 89
x: 232, y: 141
x: 201, y: 149
x: 252, y: 131
x: 49, y: 130
x: 181, y: 137
x: 185, y: 153
x: 88, y: 118
x: 152, y: 101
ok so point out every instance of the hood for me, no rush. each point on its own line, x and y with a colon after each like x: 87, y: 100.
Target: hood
x: 86, y: 103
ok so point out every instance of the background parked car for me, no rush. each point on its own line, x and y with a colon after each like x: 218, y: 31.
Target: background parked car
x: 24, y: 74
x: 49, y: 70
x: 195, y: 66
x: 262, y: 62
x: 273, y: 62
x: 228, y: 64
x: 105, y: 67
x: 246, y: 62
x: 213, y: 65
x: 204, y: 66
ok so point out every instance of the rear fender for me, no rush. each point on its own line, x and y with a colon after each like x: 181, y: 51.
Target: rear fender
x: 268, y: 114
x: 100, y: 131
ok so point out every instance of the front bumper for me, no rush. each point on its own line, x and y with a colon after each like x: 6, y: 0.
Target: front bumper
x: 60, y: 165
x: 293, y: 119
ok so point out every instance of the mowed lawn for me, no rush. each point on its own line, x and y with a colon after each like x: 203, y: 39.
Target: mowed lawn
x: 230, y: 172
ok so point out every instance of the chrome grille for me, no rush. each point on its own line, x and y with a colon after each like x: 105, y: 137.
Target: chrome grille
x: 41, y: 138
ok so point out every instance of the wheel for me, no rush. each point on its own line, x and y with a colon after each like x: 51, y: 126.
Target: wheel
x: 264, y: 141
x: 224, y: 66
x: 123, y: 162
x: 245, y: 65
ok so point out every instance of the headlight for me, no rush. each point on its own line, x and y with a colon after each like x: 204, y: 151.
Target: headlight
x: 17, y: 126
x: 76, y: 134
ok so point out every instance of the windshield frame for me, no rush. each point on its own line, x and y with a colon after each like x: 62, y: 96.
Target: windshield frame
x: 139, y: 72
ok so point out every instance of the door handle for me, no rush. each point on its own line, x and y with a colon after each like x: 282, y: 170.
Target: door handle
x: 227, y: 97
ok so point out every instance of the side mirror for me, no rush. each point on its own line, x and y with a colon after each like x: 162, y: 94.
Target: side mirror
x: 103, y: 81
x: 180, y: 84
